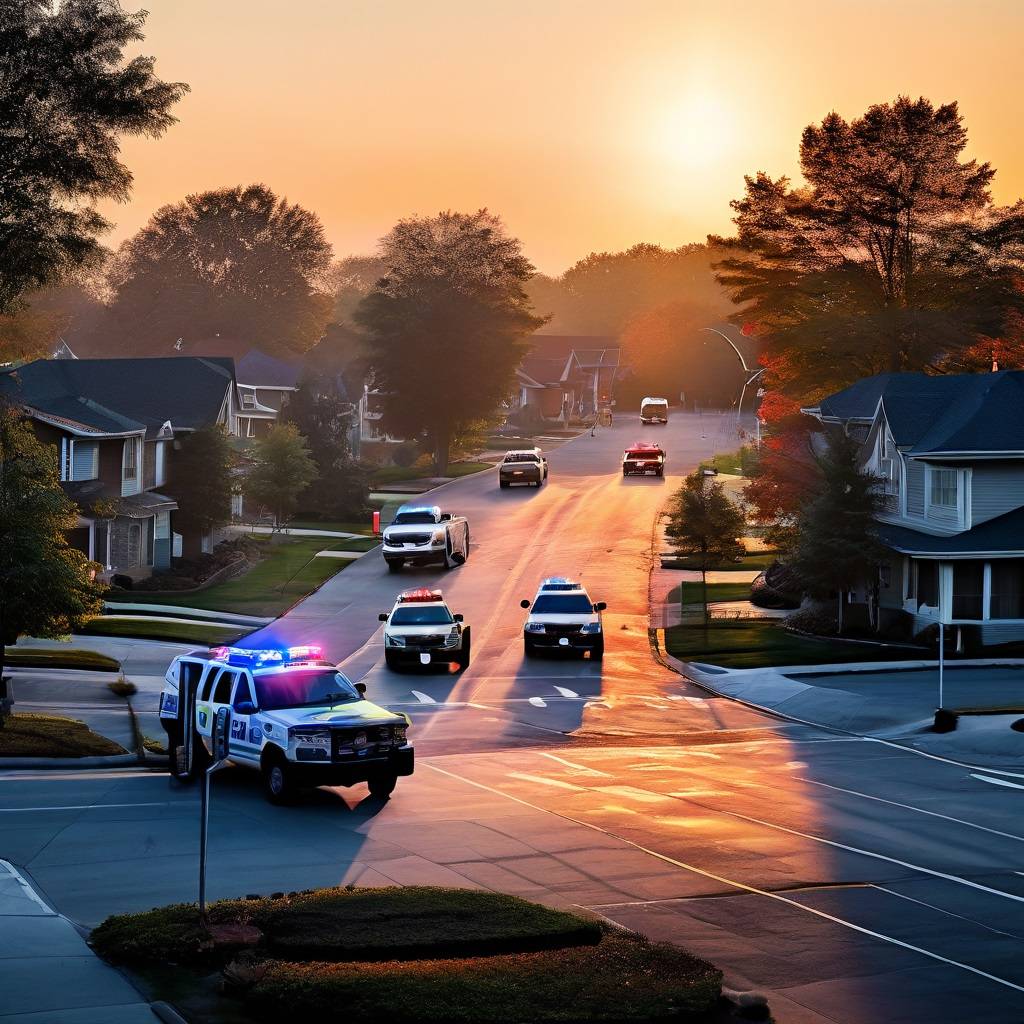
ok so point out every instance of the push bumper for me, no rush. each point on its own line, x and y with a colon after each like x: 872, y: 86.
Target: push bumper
x: 530, y: 477
x: 416, y: 556
x: 553, y: 642
x: 348, y: 773
x: 411, y: 656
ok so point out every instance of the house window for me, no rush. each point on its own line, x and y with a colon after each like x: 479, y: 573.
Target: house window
x: 1007, y: 590
x: 944, y: 488
x: 160, y: 471
x: 927, y: 584
x: 248, y: 399
x: 85, y: 459
x: 968, y: 589
x: 130, y: 466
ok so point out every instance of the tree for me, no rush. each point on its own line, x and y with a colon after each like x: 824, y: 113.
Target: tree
x: 236, y: 262
x: 704, y: 525
x: 67, y: 95
x: 282, y: 470
x: 47, y: 587
x: 202, y: 472
x: 836, y: 544
x: 320, y: 415
x: 889, y: 257
x: 447, y: 324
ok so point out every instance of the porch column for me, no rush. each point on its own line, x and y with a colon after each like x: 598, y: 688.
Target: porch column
x: 986, y: 592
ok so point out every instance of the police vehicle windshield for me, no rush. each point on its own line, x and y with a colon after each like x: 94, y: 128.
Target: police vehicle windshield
x: 562, y: 604
x: 421, y: 615
x: 413, y: 519
x: 298, y: 688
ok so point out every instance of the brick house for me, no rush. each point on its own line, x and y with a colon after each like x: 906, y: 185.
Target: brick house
x: 114, y: 425
x: 567, y: 375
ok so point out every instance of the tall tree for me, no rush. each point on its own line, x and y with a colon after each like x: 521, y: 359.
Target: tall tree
x: 704, y: 525
x: 283, y: 469
x: 324, y: 419
x: 889, y: 257
x: 236, y: 262
x: 447, y: 324
x: 47, y: 587
x: 836, y: 543
x: 67, y: 95
x: 201, y: 480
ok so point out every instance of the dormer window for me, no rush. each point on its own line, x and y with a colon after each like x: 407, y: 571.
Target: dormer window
x: 944, y: 493
x: 130, y: 463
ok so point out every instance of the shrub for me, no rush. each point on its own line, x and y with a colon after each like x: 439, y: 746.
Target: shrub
x: 405, y: 454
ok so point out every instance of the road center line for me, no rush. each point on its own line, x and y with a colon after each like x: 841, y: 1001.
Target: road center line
x: 919, y: 810
x: 939, y: 910
x: 742, y: 886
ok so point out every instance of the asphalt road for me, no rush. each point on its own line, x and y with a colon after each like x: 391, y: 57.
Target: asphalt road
x: 851, y: 880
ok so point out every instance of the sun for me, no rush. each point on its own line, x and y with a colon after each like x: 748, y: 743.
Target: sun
x: 699, y: 131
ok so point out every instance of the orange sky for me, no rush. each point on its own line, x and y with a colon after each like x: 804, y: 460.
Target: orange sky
x: 586, y: 124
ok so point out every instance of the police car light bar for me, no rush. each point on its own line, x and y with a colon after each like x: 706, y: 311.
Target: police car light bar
x: 421, y: 594
x: 270, y: 656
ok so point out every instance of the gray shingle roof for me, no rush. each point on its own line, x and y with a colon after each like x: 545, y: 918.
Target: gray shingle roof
x: 1002, y: 534
x: 117, y: 395
x: 257, y: 368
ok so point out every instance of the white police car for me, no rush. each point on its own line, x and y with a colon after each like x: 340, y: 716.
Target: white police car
x: 294, y: 717
x: 563, y: 618
x: 424, y: 535
x: 421, y: 630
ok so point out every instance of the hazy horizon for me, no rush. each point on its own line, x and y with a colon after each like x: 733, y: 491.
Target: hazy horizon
x: 585, y: 128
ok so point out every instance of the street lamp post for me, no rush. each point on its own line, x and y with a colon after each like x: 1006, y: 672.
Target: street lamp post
x: 751, y: 373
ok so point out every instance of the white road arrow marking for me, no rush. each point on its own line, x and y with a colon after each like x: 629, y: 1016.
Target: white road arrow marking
x: 423, y: 698
x: 996, y: 782
x: 566, y: 692
x: 538, y: 703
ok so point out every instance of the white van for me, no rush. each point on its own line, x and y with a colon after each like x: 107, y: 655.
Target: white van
x: 654, y: 410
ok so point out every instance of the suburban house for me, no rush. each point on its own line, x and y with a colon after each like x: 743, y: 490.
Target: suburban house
x: 949, y: 451
x: 114, y: 425
x: 567, y: 376
x: 264, y: 382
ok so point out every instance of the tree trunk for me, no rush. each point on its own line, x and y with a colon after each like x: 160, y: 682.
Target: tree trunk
x: 704, y: 594
x: 442, y: 449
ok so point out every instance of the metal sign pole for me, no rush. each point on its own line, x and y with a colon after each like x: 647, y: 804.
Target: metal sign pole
x: 942, y: 655
x: 221, y: 733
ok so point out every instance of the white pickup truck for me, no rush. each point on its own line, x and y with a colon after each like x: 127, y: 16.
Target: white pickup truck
x: 424, y: 535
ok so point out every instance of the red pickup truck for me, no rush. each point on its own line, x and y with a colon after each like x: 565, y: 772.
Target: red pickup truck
x: 643, y: 458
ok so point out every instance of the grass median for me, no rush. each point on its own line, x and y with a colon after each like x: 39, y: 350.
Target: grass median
x: 758, y: 643
x: 156, y: 629
x: 55, y: 657
x: 416, y: 955
x: 32, y: 735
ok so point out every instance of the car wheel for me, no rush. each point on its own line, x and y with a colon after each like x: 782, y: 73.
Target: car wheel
x: 503, y: 484
x: 465, y: 652
x: 382, y: 786
x: 529, y: 651
x: 278, y: 784
x: 597, y: 651
x: 395, y: 564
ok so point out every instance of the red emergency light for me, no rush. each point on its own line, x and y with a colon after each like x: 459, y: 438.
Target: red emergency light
x: 420, y: 595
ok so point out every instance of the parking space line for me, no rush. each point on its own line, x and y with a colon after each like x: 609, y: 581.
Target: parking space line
x: 742, y: 886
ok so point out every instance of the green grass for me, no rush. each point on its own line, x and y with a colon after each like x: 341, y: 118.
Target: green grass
x: 334, y: 526
x: 693, y: 593
x: 31, y: 735
x: 396, y: 474
x: 755, y: 643
x: 289, y: 572
x: 623, y: 979
x: 72, y: 657
x: 757, y: 560
x: 411, y: 922
x: 182, y: 632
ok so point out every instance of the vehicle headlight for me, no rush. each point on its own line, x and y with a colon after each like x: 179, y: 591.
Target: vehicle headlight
x: 398, y: 733
x: 455, y: 632
x: 393, y: 641
x: 591, y: 627
x: 535, y: 627
x: 437, y: 537
x: 392, y: 539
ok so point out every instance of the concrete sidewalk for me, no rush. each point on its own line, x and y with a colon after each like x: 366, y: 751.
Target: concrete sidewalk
x: 48, y: 975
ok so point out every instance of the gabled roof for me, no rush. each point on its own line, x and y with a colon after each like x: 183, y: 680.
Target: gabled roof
x: 123, y: 395
x: 258, y: 369
x: 939, y: 416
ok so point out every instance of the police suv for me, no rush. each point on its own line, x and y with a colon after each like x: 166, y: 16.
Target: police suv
x: 421, y: 630
x: 562, y: 617
x: 424, y: 535
x: 294, y: 717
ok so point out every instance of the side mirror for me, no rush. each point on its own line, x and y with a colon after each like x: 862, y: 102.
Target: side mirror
x: 457, y: 616
x: 383, y: 616
x: 245, y: 707
x: 600, y: 606
x: 524, y: 603
x: 361, y: 688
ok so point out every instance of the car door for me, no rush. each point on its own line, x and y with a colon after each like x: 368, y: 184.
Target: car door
x: 206, y: 706
x: 246, y: 736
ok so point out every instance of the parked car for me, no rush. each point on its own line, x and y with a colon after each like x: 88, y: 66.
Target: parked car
x: 424, y: 535
x: 527, y: 466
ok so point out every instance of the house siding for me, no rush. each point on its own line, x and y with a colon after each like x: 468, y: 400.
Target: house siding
x: 915, y: 487
x: 996, y: 488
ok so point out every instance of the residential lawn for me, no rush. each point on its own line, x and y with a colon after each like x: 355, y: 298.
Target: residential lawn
x: 738, y: 462
x: 289, y: 572
x: 693, y: 593
x: 44, y: 657
x: 31, y: 735
x: 154, y: 629
x: 757, y: 643
x: 415, y: 955
x: 396, y: 474
x: 759, y: 560
x: 333, y: 526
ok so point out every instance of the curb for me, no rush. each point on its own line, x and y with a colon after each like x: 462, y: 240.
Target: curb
x: 105, y: 761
